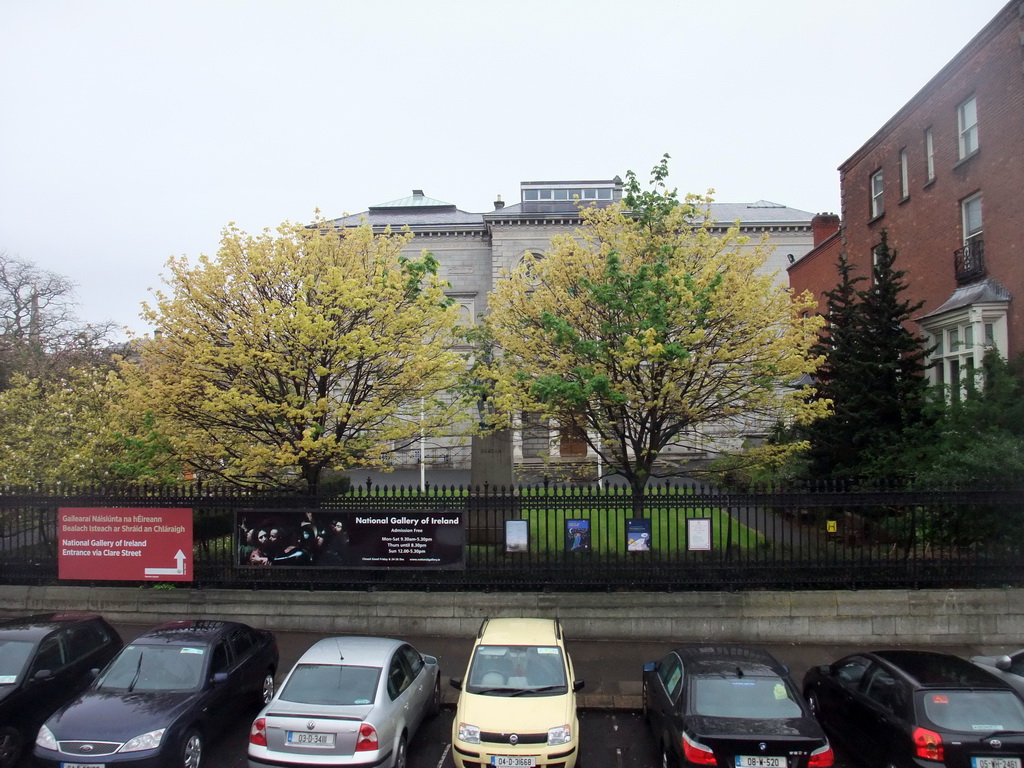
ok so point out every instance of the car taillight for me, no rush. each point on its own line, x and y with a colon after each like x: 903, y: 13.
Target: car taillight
x: 258, y: 732
x: 367, y: 740
x: 928, y: 744
x: 823, y: 757
x: 697, y: 753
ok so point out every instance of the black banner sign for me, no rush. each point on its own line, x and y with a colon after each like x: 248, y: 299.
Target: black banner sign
x: 316, y: 538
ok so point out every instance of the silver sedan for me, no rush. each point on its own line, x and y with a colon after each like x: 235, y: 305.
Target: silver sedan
x: 348, y: 701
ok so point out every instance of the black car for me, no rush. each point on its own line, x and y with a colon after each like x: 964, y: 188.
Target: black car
x: 1009, y: 668
x: 45, y: 661
x: 162, y: 697
x: 918, y: 708
x: 727, y: 705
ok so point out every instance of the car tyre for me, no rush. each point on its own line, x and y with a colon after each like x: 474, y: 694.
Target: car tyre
x: 434, y: 707
x: 10, y: 747
x: 191, y: 749
x: 267, y: 689
x: 401, y: 756
x: 666, y: 757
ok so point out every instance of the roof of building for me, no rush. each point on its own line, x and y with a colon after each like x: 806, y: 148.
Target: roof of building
x: 420, y: 210
x: 983, y: 292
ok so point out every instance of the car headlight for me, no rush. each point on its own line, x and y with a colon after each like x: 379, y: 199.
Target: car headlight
x: 149, y: 740
x: 45, y: 739
x: 560, y: 735
x: 469, y: 733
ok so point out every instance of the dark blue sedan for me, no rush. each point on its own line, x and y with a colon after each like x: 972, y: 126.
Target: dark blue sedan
x: 158, y: 702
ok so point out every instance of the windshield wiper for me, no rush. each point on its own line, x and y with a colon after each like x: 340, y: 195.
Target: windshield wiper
x: 138, y: 671
x: 538, y: 689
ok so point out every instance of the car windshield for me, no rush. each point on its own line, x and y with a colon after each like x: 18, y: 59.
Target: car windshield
x: 13, y: 659
x: 757, y: 698
x: 155, y: 668
x: 333, y: 684
x: 974, y: 711
x: 513, y: 670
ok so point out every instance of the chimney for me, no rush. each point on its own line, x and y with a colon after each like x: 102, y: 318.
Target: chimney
x: 499, y: 203
x: 417, y: 193
x: 824, y: 225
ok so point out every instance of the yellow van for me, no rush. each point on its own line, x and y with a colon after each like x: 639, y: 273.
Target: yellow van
x: 517, y: 706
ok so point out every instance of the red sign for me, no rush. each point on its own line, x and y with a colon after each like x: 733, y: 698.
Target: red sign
x: 113, y: 544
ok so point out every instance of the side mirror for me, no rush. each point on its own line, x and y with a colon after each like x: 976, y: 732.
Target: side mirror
x: 1003, y: 663
x: 429, y: 659
x: 649, y: 666
x: 825, y: 670
x: 577, y: 686
x: 42, y: 674
x: 220, y: 677
x: 455, y: 682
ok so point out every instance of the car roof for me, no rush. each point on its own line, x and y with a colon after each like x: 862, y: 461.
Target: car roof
x: 186, y: 631
x: 355, y: 651
x: 41, y: 624
x: 519, y: 632
x: 931, y: 669
x: 728, y: 659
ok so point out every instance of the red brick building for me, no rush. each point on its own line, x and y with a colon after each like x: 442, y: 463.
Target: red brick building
x: 944, y: 177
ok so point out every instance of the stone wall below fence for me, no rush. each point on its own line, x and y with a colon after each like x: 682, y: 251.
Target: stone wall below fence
x: 934, y: 617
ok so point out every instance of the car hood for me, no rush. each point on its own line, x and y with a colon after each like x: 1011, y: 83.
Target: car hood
x: 517, y: 714
x: 107, y: 716
x: 744, y: 728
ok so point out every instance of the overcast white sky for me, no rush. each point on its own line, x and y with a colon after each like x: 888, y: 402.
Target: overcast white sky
x: 133, y: 130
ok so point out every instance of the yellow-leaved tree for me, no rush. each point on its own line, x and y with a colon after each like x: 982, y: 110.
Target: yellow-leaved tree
x: 294, y: 352
x: 646, y: 328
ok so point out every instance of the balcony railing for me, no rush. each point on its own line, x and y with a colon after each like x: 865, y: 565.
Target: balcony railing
x: 969, y: 261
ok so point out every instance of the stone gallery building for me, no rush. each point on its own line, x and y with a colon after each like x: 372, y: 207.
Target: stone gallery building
x: 474, y: 249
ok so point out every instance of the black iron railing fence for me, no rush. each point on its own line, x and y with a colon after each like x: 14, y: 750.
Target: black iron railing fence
x: 700, y: 538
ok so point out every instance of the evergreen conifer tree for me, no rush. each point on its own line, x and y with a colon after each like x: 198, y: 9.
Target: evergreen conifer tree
x: 873, y: 374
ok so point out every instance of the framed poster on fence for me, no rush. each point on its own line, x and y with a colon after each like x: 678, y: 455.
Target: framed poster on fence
x: 698, y: 534
x: 638, y: 535
x: 577, y: 535
x: 517, y: 536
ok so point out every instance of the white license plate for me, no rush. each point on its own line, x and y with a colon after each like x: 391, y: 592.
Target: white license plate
x: 306, y: 739
x: 995, y: 762
x: 513, y: 761
x: 83, y: 765
x: 759, y: 761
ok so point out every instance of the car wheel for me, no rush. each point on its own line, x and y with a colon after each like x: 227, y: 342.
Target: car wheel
x: 10, y: 747
x: 191, y: 750
x: 267, y: 691
x: 401, y: 758
x: 666, y: 757
x: 435, y: 700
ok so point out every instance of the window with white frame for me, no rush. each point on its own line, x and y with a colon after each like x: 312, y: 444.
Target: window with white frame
x: 904, y: 176
x: 959, y: 340
x: 877, y: 190
x: 929, y: 154
x: 967, y: 124
x: 971, y: 211
x: 601, y: 193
